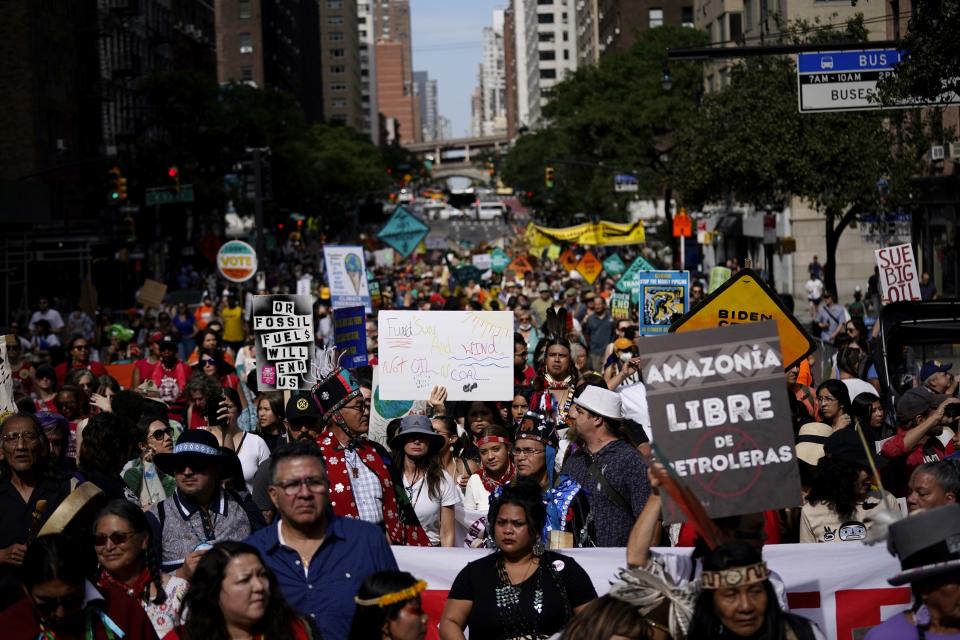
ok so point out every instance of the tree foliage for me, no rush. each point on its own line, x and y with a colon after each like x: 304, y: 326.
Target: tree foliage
x: 933, y: 65
x: 614, y: 117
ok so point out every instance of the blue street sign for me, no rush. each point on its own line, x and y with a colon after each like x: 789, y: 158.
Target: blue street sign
x: 868, y: 60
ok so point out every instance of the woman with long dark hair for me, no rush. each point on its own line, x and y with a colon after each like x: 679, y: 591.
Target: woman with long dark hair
x: 249, y: 447
x: 388, y: 608
x: 834, y: 402
x: 556, y: 373
x: 123, y: 541
x: 153, y: 435
x: 452, y: 461
x: 234, y: 595
x: 737, y: 600
x: 270, y: 416
x: 869, y: 416
x: 496, y: 468
x: 841, y: 500
x: 433, y: 493
x: 522, y: 590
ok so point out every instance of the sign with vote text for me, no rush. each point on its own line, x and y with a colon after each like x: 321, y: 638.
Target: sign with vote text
x: 468, y: 352
x: 721, y: 417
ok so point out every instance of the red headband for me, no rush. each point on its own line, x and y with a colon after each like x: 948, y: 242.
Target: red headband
x: 492, y: 440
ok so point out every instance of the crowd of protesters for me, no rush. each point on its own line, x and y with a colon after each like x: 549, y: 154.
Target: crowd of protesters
x: 206, y: 507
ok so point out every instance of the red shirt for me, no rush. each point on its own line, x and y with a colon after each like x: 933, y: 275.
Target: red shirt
x: 299, y: 632
x: 20, y: 622
x: 61, y: 369
x: 897, y: 475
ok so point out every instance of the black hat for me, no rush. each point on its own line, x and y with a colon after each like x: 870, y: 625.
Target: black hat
x: 536, y: 426
x: 847, y: 445
x: 302, y: 405
x: 334, y: 391
x: 417, y: 425
x: 927, y: 544
x: 194, y: 444
x: 916, y: 402
x: 45, y: 371
x: 168, y: 341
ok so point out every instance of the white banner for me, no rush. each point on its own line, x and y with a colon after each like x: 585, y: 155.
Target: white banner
x: 898, y: 273
x: 468, y: 352
x: 6, y: 380
x: 347, y: 277
x: 842, y: 587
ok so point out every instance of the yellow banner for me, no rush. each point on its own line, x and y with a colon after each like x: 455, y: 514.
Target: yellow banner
x: 599, y: 234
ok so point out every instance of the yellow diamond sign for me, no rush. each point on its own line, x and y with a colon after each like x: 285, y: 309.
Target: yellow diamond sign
x: 747, y: 298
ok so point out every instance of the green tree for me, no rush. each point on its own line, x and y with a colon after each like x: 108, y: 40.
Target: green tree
x: 610, y: 118
x: 750, y: 144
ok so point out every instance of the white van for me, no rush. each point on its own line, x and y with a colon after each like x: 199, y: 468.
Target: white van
x: 491, y: 210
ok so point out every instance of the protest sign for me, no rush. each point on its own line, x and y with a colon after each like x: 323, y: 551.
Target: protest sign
x: 620, y: 306
x: 568, y: 259
x: 628, y: 281
x: 305, y: 285
x: 468, y: 352
x: 718, y: 275
x: 520, y: 266
x: 283, y: 331
x: 403, y: 231
x: 384, y: 257
x: 589, y: 267
x: 7, y: 405
x: 553, y: 251
x: 347, y: 277
x: 747, y: 298
x: 898, y: 273
x: 720, y: 415
x: 376, y: 297
x: 350, y: 336
x: 614, y: 265
x: 499, y: 260
x: 383, y: 411
x: 152, y: 293
x: 663, y: 296
x: 481, y: 261
x: 237, y: 261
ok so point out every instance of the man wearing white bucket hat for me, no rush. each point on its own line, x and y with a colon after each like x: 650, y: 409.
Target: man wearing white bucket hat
x: 613, y: 472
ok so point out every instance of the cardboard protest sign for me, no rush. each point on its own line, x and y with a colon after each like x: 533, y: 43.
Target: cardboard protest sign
x: 152, y: 293
x: 347, y: 277
x: 718, y: 275
x: 720, y: 414
x: 747, y: 298
x: 283, y: 332
x: 468, y: 352
x: 589, y: 267
x: 898, y: 273
x: 664, y: 295
x: 7, y: 405
x: 620, y: 306
x: 404, y: 231
x: 350, y: 336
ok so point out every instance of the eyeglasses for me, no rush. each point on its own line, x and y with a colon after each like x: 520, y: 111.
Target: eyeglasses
x: 28, y: 437
x: 292, y: 487
x: 117, y: 538
x: 49, y: 605
x: 361, y: 407
x: 159, y: 433
x: 527, y: 453
x: 825, y: 399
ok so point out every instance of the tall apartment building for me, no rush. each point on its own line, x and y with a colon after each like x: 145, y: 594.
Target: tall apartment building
x: 394, y: 53
x: 492, y: 80
x: 621, y: 21
x: 272, y: 44
x: 70, y: 80
x: 556, y: 43
x: 510, y: 71
x: 341, y: 66
x: 426, y: 92
x: 588, y: 31
x: 366, y: 33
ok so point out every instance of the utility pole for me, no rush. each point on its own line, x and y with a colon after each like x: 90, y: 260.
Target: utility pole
x: 258, y: 201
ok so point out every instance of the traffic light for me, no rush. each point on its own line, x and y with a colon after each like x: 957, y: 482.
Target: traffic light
x: 174, y: 174
x: 118, y: 185
x: 548, y: 177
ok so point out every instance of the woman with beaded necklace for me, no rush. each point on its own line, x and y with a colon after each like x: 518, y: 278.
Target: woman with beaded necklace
x: 122, y: 539
x: 556, y: 372
x: 521, y: 590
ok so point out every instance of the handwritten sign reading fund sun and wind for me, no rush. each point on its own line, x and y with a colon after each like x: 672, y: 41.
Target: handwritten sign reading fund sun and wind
x: 468, y: 352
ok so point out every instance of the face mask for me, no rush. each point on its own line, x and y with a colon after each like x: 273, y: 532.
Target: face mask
x: 625, y: 356
x: 525, y: 326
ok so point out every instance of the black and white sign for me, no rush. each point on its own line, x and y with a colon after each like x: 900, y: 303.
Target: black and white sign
x: 282, y: 325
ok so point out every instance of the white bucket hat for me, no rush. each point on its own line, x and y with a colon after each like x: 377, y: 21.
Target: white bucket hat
x: 602, y: 402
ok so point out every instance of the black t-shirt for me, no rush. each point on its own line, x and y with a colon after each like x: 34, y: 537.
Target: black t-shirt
x: 478, y: 582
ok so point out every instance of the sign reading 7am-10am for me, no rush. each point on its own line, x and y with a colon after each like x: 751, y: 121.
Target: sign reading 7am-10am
x: 468, y: 352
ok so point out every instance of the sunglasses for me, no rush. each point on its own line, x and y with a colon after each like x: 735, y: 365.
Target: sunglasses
x: 49, y: 605
x: 117, y: 538
x: 159, y: 433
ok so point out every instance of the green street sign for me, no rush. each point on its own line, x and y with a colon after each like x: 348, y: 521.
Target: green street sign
x: 169, y: 195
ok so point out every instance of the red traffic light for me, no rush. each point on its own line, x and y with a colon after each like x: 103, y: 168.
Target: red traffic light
x: 172, y: 172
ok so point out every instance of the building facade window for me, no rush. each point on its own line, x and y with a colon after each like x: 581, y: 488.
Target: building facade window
x: 686, y: 17
x: 547, y: 36
x: 338, y: 87
x: 334, y: 4
x: 548, y: 74
x: 335, y: 36
x: 545, y: 18
x: 246, y: 43
x: 334, y: 19
x: 338, y: 69
x: 337, y: 53
x: 655, y: 17
x: 736, y: 26
x: 338, y: 103
x: 246, y: 73
x: 548, y: 54
x: 244, y: 9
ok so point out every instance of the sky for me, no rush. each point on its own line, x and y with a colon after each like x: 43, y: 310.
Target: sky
x: 447, y: 36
